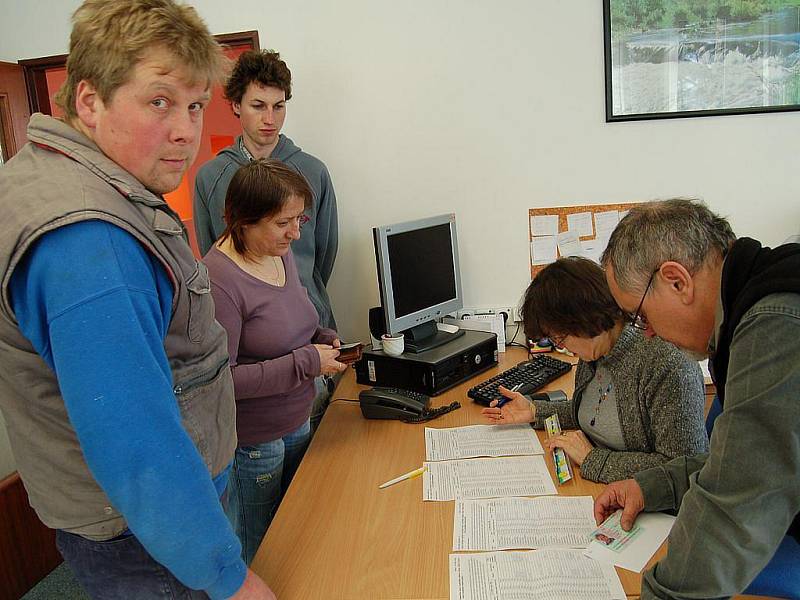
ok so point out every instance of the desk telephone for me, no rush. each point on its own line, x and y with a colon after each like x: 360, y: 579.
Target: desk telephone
x: 395, y: 403
x: 392, y: 403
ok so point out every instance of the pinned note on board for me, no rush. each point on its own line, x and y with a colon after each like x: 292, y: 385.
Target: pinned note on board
x: 572, y: 231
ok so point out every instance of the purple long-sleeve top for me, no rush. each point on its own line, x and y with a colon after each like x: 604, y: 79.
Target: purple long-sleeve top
x: 271, y: 332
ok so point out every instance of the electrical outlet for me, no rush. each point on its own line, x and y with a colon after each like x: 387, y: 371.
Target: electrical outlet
x: 512, y: 314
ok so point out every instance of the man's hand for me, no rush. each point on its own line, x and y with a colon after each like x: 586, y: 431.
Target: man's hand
x: 254, y: 588
x: 626, y: 495
x: 575, y: 444
x: 516, y: 410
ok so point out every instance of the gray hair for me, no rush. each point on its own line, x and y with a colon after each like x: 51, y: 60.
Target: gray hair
x: 680, y: 229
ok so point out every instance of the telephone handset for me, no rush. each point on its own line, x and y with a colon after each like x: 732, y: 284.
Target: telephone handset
x: 392, y: 403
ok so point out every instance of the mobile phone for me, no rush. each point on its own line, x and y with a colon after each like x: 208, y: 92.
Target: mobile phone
x: 349, y: 353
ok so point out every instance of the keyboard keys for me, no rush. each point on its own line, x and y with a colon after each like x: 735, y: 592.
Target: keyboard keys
x: 530, y: 375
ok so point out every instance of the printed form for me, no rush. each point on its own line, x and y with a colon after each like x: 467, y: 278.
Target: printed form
x: 481, y: 440
x: 523, y: 523
x: 532, y: 575
x: 487, y: 478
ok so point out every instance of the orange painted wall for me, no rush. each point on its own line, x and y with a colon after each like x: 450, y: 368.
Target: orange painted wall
x: 55, y: 78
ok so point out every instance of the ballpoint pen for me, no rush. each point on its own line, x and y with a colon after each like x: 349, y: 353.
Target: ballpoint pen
x: 502, y: 402
x: 409, y: 475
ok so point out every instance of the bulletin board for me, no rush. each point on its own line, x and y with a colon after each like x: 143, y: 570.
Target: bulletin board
x: 558, y: 220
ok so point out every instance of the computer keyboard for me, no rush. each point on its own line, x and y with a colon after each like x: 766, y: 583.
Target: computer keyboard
x: 530, y: 376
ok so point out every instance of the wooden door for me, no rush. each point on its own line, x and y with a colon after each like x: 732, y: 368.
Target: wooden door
x: 14, y: 113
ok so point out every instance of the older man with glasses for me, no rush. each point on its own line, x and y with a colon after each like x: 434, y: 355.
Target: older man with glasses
x: 738, y: 302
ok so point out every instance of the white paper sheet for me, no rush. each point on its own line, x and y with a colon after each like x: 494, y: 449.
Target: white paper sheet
x: 523, y: 523
x: 481, y: 440
x: 544, y: 250
x: 569, y: 244
x: 487, y: 478
x: 634, y: 557
x: 552, y: 574
x: 580, y: 223
x: 605, y: 222
x: 497, y: 326
x: 489, y: 323
x: 593, y: 249
x: 544, y: 225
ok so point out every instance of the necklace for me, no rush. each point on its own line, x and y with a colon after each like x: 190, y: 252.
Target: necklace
x: 277, y: 276
x: 269, y: 271
x: 602, y: 396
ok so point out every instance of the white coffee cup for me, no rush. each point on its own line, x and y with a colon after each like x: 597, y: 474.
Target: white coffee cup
x: 393, y: 345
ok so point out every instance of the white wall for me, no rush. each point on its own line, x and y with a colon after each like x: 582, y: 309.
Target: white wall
x: 483, y: 109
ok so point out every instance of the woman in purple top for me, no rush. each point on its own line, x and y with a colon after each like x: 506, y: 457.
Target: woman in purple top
x: 275, y: 343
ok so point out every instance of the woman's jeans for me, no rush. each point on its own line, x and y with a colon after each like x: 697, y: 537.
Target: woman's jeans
x: 323, y: 388
x: 259, y: 478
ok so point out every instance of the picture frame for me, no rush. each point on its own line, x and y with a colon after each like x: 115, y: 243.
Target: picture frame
x: 692, y: 58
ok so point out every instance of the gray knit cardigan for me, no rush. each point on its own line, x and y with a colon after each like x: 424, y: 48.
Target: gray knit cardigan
x: 660, y: 401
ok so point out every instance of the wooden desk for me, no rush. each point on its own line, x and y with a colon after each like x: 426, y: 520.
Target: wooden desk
x: 337, y: 536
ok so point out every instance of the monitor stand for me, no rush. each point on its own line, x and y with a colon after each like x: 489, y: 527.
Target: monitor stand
x: 427, y: 336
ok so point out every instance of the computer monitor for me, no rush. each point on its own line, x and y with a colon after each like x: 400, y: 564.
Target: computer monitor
x: 419, y: 279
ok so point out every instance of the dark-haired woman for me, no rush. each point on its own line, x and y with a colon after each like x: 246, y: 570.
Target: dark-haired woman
x: 638, y: 402
x: 275, y: 342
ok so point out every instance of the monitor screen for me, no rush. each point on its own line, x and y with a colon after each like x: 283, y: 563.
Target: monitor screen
x: 418, y: 271
x: 422, y: 268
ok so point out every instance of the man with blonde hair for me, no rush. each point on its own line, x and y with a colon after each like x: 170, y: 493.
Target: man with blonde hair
x: 683, y: 275
x: 114, y: 382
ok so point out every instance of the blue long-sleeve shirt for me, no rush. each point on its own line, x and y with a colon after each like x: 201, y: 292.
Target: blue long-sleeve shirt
x: 96, y: 305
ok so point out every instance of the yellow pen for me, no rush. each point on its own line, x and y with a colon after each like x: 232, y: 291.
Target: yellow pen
x: 409, y: 475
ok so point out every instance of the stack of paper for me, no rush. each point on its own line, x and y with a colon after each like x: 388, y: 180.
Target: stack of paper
x: 575, y: 559
x: 522, y: 471
x: 535, y: 575
x: 523, y: 523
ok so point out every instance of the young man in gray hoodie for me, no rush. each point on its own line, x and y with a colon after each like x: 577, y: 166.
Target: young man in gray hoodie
x: 258, y: 89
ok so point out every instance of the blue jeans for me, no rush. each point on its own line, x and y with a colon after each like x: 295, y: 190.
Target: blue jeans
x: 259, y: 478
x: 323, y: 388
x: 120, y: 568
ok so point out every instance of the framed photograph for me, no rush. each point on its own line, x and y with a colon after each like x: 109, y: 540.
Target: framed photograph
x: 688, y: 58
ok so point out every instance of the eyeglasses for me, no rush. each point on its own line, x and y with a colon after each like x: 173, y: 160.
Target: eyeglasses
x: 639, y: 321
x: 558, y: 340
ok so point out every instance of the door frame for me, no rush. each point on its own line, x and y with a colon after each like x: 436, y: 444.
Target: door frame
x: 35, y: 69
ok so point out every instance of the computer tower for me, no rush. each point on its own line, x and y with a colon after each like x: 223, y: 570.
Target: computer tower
x: 433, y: 371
